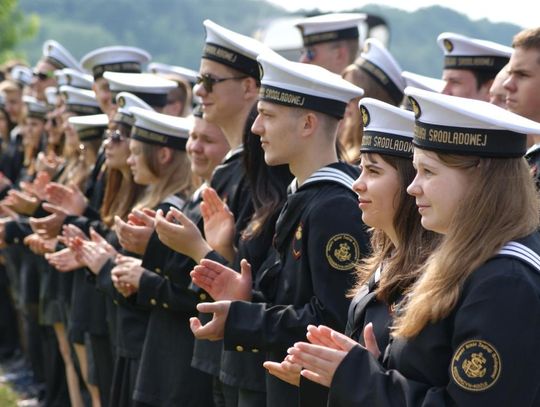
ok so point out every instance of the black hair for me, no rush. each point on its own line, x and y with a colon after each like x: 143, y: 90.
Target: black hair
x: 483, y: 77
x: 268, y: 183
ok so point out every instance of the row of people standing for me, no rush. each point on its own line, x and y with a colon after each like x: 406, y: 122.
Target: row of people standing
x: 131, y: 243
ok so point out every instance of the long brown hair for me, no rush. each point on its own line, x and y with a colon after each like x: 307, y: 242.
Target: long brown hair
x: 174, y: 177
x: 501, y: 204
x: 121, y: 195
x: 401, y: 263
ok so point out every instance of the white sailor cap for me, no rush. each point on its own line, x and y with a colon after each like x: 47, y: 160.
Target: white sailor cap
x: 35, y: 108
x: 125, y: 101
x: 22, y: 75
x: 58, y: 56
x: 232, y: 49
x: 90, y: 127
x: 461, y: 52
x: 303, y: 85
x: 455, y: 125
x: 79, y: 101
x: 423, y: 82
x: 330, y: 27
x: 161, y: 129
x: 116, y: 58
x: 72, y: 77
x: 151, y: 88
x: 51, y: 95
x: 172, y: 71
x: 387, y: 129
x: 377, y: 61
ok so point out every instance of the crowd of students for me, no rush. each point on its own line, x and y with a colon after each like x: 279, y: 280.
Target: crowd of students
x: 265, y: 232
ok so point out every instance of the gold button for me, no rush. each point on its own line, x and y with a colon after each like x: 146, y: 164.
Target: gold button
x: 202, y: 296
x: 16, y: 240
x: 165, y: 305
x: 166, y: 277
x: 153, y: 301
x: 240, y: 348
x: 255, y: 350
x: 158, y: 270
x: 115, y: 302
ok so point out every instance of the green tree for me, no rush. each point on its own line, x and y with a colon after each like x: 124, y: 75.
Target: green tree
x: 14, y: 27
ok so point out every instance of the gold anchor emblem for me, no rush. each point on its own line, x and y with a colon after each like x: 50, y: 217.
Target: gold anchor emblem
x: 475, y: 366
x: 448, y: 45
x: 298, y: 234
x: 415, y: 107
x: 365, y: 116
x: 343, y: 253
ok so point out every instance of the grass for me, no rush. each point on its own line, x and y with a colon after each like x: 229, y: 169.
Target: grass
x: 7, y: 397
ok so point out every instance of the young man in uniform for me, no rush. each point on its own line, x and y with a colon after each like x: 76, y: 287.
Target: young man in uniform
x: 228, y: 86
x: 319, y: 234
x: 522, y: 86
x: 55, y: 56
x: 330, y: 40
x: 470, y: 65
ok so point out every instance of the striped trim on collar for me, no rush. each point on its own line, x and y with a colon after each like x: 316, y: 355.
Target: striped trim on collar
x: 234, y: 152
x: 325, y: 174
x: 522, y: 252
x: 197, y: 194
x: 175, y: 200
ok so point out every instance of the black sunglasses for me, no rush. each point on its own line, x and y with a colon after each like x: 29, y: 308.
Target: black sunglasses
x: 208, y: 81
x: 43, y: 76
x: 310, y: 53
x: 115, y: 136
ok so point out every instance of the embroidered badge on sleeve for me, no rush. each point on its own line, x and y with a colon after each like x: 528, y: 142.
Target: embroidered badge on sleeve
x: 476, y: 365
x: 342, y: 252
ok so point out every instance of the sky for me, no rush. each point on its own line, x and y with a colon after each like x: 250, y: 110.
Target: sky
x: 522, y: 12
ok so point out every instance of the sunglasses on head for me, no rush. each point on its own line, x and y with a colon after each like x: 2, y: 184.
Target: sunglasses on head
x: 43, y: 76
x: 115, y: 136
x: 208, y: 81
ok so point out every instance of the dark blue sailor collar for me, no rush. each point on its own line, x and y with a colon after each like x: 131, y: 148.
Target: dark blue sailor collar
x: 233, y: 153
x: 197, y: 194
x: 533, y: 150
x: 336, y: 173
x: 521, y: 252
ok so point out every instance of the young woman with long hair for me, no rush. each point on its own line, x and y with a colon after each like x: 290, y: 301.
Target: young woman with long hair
x: 399, y: 243
x: 467, y: 333
x: 157, y: 160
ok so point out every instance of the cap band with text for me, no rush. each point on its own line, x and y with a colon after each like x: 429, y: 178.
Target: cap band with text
x: 155, y: 137
x: 231, y: 58
x: 380, y: 77
x: 287, y: 97
x: 317, y: 38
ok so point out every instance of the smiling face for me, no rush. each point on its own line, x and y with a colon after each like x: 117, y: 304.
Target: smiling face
x: 206, y: 148
x: 438, y: 189
x: 227, y: 98
x: 42, y: 79
x: 378, y: 189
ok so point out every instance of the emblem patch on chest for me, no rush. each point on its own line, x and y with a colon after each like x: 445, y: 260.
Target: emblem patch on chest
x: 297, y: 242
x: 342, y: 252
x: 476, y: 365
